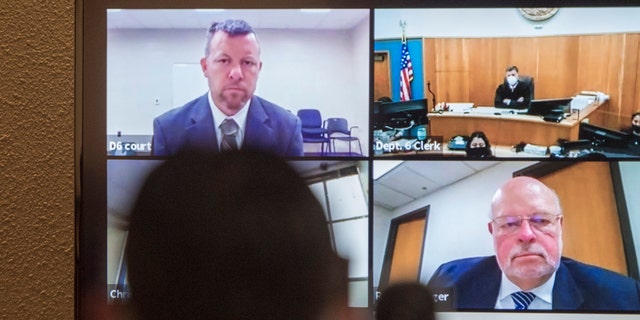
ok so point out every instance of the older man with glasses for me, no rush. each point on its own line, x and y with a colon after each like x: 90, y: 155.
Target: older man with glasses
x: 528, y: 271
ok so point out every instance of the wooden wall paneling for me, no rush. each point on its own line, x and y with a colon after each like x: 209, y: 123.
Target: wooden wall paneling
x: 629, y: 94
x: 557, y: 67
x: 451, y: 67
x: 453, y: 86
x: 521, y: 52
x: 591, y: 230
x: 429, y: 65
x: 600, y: 67
x: 593, y: 66
x: 636, y: 92
x: 615, y: 76
x: 482, y: 66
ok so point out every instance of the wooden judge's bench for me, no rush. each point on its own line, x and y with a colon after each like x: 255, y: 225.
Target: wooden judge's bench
x: 504, y: 128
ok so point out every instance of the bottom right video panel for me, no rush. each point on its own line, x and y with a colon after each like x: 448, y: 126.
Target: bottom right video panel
x: 476, y: 232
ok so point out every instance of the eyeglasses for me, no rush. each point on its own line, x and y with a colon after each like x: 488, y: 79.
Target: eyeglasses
x: 541, y: 222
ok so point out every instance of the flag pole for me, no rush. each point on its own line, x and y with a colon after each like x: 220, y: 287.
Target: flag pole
x: 406, y: 67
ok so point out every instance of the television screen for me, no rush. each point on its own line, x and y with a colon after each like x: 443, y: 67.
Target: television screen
x: 396, y: 216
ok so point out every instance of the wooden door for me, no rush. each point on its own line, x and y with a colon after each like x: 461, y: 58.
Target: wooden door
x: 382, y: 75
x: 405, y: 247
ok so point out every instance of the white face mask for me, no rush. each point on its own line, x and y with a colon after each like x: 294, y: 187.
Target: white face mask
x: 512, y: 80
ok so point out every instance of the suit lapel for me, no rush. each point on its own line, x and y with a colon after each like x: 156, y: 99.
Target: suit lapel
x: 566, y: 295
x: 478, y: 291
x: 201, y: 134
x: 258, y: 132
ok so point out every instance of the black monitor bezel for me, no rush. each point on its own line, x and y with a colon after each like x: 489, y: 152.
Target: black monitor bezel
x: 91, y: 157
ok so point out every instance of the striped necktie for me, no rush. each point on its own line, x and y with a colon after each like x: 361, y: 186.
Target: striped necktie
x: 229, y: 129
x: 522, y: 299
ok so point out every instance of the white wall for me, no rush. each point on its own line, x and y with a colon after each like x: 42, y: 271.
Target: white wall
x: 327, y: 70
x: 502, y: 22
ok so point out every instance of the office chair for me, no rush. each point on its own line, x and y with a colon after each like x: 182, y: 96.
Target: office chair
x: 312, y: 128
x: 528, y: 81
x: 338, y: 129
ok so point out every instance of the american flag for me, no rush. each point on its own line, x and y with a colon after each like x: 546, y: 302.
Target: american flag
x: 406, y: 73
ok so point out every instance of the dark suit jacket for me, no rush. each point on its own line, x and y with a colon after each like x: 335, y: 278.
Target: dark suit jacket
x: 504, y: 92
x: 475, y: 283
x: 269, y: 128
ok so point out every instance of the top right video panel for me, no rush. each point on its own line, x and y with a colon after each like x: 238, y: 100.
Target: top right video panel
x: 506, y: 83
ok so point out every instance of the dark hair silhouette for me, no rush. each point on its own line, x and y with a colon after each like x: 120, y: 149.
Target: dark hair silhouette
x: 478, y: 152
x: 511, y: 68
x: 629, y: 128
x: 405, y: 301
x: 236, y: 235
x: 233, y: 27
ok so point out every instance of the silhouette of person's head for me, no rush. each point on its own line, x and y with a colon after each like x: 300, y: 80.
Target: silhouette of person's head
x: 405, y: 301
x: 237, y: 235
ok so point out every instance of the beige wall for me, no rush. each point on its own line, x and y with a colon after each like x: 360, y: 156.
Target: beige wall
x: 37, y: 159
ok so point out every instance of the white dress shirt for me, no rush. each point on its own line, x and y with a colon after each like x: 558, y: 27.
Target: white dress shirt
x: 543, y: 300
x: 240, y: 118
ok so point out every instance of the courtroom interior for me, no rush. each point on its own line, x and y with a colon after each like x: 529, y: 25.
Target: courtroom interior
x: 580, y: 65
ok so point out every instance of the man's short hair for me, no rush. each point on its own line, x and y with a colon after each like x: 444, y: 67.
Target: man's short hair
x: 511, y: 68
x: 235, y: 235
x: 233, y: 27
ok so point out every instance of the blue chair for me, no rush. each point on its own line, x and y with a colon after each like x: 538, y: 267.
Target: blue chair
x: 312, y: 128
x: 338, y: 129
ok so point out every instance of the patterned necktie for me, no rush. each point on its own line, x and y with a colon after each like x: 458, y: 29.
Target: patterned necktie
x: 229, y: 129
x: 522, y: 299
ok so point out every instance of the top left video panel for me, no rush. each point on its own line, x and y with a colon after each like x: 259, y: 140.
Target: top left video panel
x: 295, y: 81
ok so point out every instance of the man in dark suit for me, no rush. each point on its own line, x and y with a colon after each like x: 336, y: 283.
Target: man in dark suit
x: 528, y: 270
x: 229, y: 116
x: 512, y: 93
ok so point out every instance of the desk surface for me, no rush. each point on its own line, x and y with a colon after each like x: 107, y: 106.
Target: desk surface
x: 506, y: 128
x: 469, y: 109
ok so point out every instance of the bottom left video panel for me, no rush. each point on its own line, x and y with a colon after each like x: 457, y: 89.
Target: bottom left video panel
x: 341, y: 187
